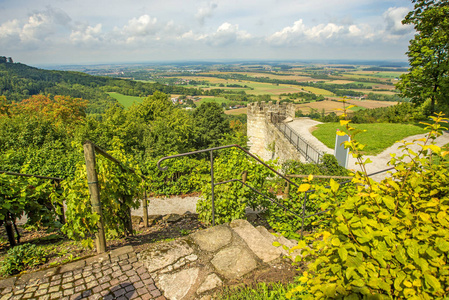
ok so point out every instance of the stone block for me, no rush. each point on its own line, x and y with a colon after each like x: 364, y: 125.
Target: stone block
x: 234, y: 262
x: 211, y: 282
x: 162, y: 255
x: 121, y: 251
x: 262, y: 247
x: 177, y: 285
x: 213, y: 238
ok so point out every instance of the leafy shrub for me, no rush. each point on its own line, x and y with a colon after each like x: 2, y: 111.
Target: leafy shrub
x: 231, y: 199
x: 119, y: 191
x: 261, y: 291
x: 388, y: 239
x: 21, y: 258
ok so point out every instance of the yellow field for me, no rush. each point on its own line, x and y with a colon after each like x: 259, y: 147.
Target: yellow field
x: 237, y: 111
x: 332, y: 106
x: 318, y: 91
x: 378, y: 92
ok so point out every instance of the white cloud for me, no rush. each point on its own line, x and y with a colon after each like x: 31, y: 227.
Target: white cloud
x: 87, y: 34
x: 205, y: 12
x: 142, y: 26
x: 300, y: 32
x: 393, y: 17
x: 36, y: 28
x: 226, y: 34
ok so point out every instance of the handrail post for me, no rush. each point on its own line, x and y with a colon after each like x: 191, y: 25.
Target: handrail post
x: 212, y: 185
x: 303, y: 214
x: 145, y: 208
x: 244, y: 176
x: 92, y: 182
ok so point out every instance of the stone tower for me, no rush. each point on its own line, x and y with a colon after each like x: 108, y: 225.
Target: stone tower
x: 260, y: 128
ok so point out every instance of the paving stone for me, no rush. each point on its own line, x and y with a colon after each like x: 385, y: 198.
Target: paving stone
x: 27, y: 296
x: 119, y: 292
x: 67, y: 274
x: 178, y: 284
x: 67, y: 285
x: 80, y: 288
x: 40, y: 292
x: 55, y: 282
x: 8, y: 282
x: 67, y: 280
x: 142, y: 291
x: 68, y: 292
x: 155, y: 293
x: 92, y: 284
x: 234, y: 262
x: 45, y: 297
x: 213, y: 238
x: 6, y: 296
x: 53, y: 289
x: 31, y: 289
x: 86, y: 294
x: 121, y: 251
x: 56, y: 295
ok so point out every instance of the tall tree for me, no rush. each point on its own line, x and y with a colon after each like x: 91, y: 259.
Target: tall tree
x: 428, y: 54
x: 211, y: 125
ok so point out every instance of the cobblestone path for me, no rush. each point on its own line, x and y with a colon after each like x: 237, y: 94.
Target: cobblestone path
x: 114, y: 275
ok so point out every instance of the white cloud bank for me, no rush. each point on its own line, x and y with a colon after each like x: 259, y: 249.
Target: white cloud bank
x: 52, y: 27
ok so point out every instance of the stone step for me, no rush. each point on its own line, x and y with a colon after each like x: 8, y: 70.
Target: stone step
x: 282, y: 240
x: 261, y: 246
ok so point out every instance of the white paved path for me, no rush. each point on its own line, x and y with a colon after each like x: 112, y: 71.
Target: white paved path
x: 304, y: 126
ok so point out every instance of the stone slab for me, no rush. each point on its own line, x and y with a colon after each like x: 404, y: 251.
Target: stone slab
x: 262, y: 247
x: 213, y: 238
x: 211, y: 282
x: 177, y: 285
x: 234, y: 262
x: 282, y: 240
x: 162, y: 255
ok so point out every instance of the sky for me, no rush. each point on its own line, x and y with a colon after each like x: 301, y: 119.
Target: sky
x: 39, y: 32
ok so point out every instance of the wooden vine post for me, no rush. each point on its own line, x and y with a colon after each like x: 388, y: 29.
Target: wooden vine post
x: 145, y: 208
x: 94, y: 190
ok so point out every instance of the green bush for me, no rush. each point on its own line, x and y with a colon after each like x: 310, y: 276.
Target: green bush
x: 231, y: 199
x: 21, y: 258
x: 388, y: 239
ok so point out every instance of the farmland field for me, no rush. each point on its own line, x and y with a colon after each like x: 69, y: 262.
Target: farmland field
x: 125, y: 100
x: 332, y: 106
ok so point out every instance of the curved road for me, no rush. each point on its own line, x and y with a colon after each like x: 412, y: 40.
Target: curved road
x: 304, y: 126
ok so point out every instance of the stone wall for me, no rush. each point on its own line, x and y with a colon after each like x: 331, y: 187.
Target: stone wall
x: 264, y: 138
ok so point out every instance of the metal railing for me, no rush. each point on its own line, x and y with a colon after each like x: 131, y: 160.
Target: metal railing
x: 302, y: 215
x: 10, y: 224
x: 213, y: 184
x: 303, y: 147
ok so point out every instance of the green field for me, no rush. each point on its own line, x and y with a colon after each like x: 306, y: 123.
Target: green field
x: 218, y: 100
x: 377, y: 137
x: 125, y: 100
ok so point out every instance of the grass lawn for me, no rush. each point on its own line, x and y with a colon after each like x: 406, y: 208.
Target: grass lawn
x: 125, y: 100
x: 378, y: 136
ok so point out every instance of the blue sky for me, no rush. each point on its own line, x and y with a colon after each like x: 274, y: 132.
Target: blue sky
x: 107, y: 31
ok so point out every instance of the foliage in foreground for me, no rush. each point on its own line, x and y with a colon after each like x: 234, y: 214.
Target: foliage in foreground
x: 261, y: 291
x: 22, y: 257
x: 118, y: 193
x: 388, y: 239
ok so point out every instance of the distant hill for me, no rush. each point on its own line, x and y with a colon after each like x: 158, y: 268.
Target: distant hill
x: 19, y: 81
